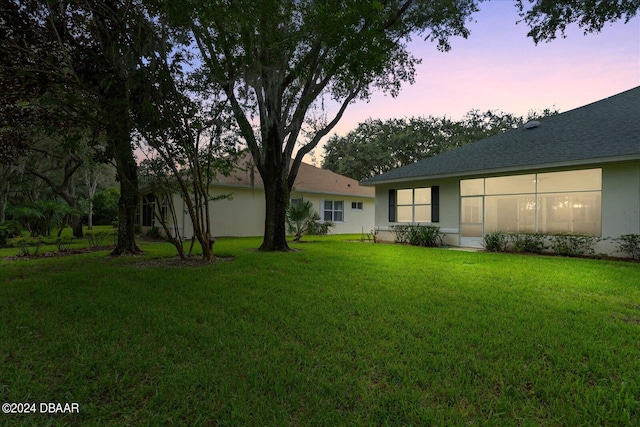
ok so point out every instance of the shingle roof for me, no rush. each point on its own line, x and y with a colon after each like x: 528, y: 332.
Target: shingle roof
x: 310, y: 179
x: 604, y: 131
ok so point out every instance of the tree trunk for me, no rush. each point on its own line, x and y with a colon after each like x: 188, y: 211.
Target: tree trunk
x: 76, y: 218
x: 207, y: 248
x: 128, y: 175
x: 90, y: 215
x: 3, y: 204
x: 76, y: 225
x: 126, y: 244
x: 91, y: 193
x: 276, y: 195
x: 119, y: 140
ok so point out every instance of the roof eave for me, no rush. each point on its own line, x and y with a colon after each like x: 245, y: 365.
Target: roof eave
x: 329, y: 193
x: 497, y: 171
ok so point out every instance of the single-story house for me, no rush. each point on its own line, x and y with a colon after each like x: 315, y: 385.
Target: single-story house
x: 575, y: 172
x: 337, y: 198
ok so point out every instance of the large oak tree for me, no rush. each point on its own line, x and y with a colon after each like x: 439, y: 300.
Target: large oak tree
x: 277, y: 60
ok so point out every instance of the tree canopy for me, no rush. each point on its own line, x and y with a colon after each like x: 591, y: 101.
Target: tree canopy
x: 276, y: 61
x: 546, y: 19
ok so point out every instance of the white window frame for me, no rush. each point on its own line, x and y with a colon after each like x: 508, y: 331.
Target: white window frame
x: 148, y: 202
x: 361, y: 204
x: 333, y: 210
x: 413, y: 206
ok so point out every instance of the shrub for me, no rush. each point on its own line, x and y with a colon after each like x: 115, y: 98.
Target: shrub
x: 302, y: 218
x: 400, y: 232
x: 97, y: 239
x: 63, y: 243
x: 498, y: 241
x: 8, y: 229
x: 40, y: 217
x: 105, y: 206
x: 28, y: 246
x: 569, y: 244
x: 629, y: 244
x: 370, y: 236
x: 527, y: 242
x: 418, y: 235
x: 154, y: 233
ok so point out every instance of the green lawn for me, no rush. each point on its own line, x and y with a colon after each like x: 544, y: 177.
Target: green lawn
x: 339, y: 333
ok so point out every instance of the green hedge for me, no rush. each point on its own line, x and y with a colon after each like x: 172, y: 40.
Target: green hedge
x: 418, y: 235
x: 567, y: 244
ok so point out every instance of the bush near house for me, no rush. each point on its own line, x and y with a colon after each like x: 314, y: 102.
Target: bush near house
x: 498, y: 241
x: 528, y: 243
x: 302, y: 218
x: 569, y: 244
x: 105, y: 206
x: 418, y: 235
x: 566, y: 244
x: 629, y: 244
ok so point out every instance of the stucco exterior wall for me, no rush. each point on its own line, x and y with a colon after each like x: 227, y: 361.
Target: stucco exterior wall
x: 620, y: 205
x: 355, y: 221
x: 620, y: 202
x: 243, y: 213
x: 449, y: 209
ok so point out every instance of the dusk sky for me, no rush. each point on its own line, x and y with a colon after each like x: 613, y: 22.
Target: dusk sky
x: 499, y: 68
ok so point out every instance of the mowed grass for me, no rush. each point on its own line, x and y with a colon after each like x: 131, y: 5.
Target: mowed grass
x: 339, y: 333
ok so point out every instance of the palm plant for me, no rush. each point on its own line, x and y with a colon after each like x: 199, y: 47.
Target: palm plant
x: 302, y: 218
x: 41, y: 216
x: 8, y: 229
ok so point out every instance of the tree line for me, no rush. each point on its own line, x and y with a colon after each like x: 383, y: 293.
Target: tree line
x: 192, y: 81
x: 377, y: 146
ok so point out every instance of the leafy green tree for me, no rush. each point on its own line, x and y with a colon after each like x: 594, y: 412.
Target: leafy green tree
x: 95, y: 177
x: 42, y: 216
x: 56, y: 166
x: 548, y: 18
x: 188, y: 143
x: 276, y: 60
x: 302, y: 218
x: 159, y: 181
x: 377, y: 146
x: 105, y: 206
x: 89, y: 56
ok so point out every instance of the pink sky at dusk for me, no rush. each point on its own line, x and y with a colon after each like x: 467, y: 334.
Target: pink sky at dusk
x: 499, y: 68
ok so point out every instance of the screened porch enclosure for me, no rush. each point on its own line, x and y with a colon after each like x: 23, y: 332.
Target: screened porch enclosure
x: 553, y: 202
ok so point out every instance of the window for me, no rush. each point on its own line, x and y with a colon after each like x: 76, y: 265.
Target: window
x: 296, y: 200
x: 148, y: 205
x: 554, y: 202
x: 519, y: 184
x: 414, y: 205
x: 582, y: 180
x: 356, y: 206
x: 472, y: 187
x: 333, y: 210
x: 164, y: 210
